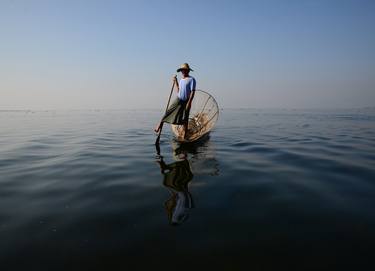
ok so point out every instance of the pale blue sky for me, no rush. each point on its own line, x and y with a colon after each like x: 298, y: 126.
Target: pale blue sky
x: 122, y: 54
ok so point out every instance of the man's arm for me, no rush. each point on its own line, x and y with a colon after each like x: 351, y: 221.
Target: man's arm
x: 174, y: 79
x: 191, y: 97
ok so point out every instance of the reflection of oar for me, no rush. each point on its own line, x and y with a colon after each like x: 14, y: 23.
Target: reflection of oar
x: 166, y: 109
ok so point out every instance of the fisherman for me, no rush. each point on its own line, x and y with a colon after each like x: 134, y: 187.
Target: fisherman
x: 178, y: 112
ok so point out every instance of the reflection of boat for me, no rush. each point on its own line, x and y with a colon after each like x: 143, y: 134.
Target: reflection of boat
x: 202, y: 152
x: 179, y: 174
x: 203, y: 115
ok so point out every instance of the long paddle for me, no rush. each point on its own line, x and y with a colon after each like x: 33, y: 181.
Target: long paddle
x: 166, y: 109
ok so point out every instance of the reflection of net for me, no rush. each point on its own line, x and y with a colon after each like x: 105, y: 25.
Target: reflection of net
x: 203, y: 115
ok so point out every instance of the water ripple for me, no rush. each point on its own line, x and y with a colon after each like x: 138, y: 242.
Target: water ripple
x: 87, y: 183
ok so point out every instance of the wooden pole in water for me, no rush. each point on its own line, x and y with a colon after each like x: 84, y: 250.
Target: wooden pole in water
x: 161, y: 127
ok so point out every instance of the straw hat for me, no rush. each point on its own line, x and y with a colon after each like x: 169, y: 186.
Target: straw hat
x: 184, y: 66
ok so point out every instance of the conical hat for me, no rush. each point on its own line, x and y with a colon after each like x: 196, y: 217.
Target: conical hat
x: 184, y: 66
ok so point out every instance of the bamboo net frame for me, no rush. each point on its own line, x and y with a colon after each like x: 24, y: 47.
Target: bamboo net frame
x: 203, y: 116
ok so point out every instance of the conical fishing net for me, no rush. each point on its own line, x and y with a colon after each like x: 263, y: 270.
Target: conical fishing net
x: 203, y: 115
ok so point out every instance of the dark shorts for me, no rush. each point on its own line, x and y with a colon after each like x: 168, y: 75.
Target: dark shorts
x: 177, y: 113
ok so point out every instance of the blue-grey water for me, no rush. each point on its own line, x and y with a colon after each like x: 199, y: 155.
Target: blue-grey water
x: 268, y: 189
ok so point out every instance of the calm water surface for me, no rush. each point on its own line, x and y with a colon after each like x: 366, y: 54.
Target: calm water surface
x: 268, y: 189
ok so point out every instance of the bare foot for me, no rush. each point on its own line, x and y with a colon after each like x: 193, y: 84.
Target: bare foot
x: 157, y: 128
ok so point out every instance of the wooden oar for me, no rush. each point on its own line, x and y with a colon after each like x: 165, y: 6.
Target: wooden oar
x: 166, y: 109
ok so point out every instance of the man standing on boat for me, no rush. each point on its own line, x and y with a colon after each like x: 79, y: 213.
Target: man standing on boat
x: 178, y: 112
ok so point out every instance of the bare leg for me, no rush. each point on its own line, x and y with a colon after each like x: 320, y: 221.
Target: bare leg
x: 185, y: 130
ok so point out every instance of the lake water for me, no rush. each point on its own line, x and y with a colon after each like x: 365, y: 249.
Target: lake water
x: 268, y: 189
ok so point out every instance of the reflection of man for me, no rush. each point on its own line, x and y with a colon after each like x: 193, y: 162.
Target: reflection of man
x: 177, y: 175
